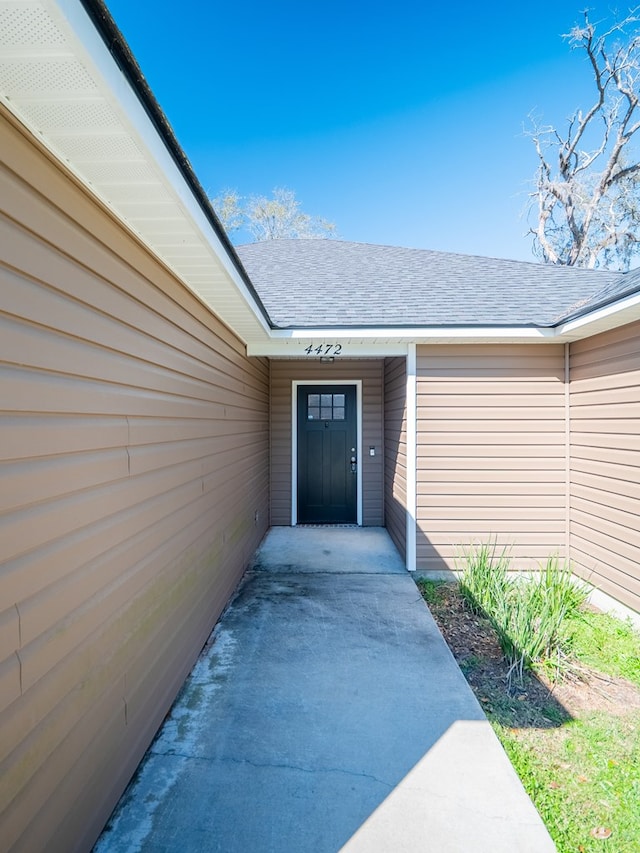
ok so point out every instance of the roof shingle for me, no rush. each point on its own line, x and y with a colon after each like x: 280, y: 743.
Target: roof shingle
x: 318, y: 283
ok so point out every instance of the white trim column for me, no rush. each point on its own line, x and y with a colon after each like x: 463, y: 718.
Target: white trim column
x: 412, y: 423
x: 567, y: 453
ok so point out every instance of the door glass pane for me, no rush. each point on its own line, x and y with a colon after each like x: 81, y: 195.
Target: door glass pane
x: 313, y: 407
x: 326, y: 407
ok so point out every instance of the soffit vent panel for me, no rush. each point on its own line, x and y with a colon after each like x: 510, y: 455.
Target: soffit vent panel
x: 79, y: 118
x: 58, y: 78
x: 28, y: 25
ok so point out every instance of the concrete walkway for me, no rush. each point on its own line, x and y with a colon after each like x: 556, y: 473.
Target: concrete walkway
x: 326, y: 713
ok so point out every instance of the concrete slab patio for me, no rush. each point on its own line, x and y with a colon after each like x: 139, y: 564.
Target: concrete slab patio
x: 326, y: 713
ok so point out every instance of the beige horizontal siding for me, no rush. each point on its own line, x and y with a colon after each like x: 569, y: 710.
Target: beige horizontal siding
x: 133, y: 491
x: 283, y: 373
x: 605, y: 461
x: 395, y: 450
x: 491, y: 451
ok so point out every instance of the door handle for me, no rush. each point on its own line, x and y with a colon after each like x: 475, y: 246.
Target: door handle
x: 354, y: 464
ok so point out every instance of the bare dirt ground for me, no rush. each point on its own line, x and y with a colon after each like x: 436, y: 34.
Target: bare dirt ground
x: 535, y: 701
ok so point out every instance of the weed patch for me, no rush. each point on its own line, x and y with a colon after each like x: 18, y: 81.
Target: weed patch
x: 574, y: 742
x: 529, y: 616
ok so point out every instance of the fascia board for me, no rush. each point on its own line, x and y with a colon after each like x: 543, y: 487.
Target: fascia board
x: 90, y: 49
x: 603, y: 319
x: 329, y: 348
x: 389, y: 341
x: 292, y: 343
x: 425, y: 333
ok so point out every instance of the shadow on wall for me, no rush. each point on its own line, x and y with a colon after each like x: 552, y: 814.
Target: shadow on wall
x: 395, y: 452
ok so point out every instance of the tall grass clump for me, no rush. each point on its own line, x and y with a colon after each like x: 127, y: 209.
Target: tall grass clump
x: 530, y: 615
x: 483, y: 578
x: 536, y: 631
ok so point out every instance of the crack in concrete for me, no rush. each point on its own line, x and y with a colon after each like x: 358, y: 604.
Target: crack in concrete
x: 204, y: 759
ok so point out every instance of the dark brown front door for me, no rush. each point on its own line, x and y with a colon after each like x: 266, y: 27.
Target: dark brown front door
x: 327, y: 454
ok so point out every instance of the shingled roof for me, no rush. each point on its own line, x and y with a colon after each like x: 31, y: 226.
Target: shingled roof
x: 331, y: 283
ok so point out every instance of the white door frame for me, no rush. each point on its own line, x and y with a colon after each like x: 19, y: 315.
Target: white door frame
x: 294, y: 440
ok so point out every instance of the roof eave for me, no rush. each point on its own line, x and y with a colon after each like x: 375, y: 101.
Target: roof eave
x: 603, y: 319
x: 122, y: 54
x: 204, y: 260
x: 356, y: 342
x: 360, y: 341
x: 181, y: 230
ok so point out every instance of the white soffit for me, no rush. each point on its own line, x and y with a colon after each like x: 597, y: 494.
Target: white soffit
x: 381, y: 342
x: 59, y: 79
x: 362, y: 343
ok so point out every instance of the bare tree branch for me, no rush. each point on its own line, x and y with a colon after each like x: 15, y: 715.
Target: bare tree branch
x: 586, y: 196
x: 272, y: 218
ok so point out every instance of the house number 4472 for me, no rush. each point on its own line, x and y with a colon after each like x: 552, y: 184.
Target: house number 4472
x: 324, y: 349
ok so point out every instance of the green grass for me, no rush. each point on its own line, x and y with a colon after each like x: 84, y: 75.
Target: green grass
x: 586, y: 774
x: 581, y: 772
x: 582, y: 776
x: 432, y: 591
x: 607, y: 644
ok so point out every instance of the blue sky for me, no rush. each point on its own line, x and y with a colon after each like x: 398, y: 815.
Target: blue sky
x: 400, y: 122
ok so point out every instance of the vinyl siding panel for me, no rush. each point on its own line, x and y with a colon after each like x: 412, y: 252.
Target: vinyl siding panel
x: 283, y: 373
x: 491, y: 451
x: 133, y: 491
x: 395, y: 450
x: 605, y: 462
